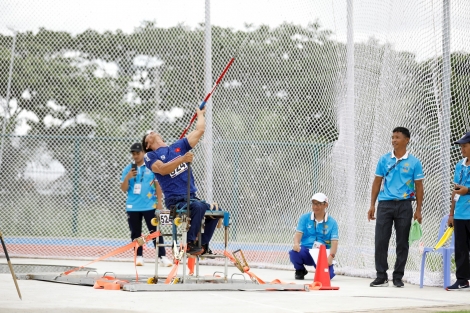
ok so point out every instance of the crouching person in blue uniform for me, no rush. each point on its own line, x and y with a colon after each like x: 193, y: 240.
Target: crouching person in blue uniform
x: 169, y: 164
x: 314, y: 229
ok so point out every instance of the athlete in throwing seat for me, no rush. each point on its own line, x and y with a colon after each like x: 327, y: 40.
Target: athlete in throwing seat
x: 169, y: 163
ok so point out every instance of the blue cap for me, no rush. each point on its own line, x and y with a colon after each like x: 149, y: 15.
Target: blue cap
x: 464, y: 139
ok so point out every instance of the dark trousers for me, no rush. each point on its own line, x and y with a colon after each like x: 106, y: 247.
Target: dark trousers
x: 197, y: 211
x: 462, y: 249
x: 303, y: 257
x: 135, y: 225
x: 399, y: 214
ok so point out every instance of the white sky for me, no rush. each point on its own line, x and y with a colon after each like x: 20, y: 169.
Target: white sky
x: 408, y: 25
x: 102, y: 15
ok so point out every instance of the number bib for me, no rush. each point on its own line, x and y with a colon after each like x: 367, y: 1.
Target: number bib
x: 180, y: 169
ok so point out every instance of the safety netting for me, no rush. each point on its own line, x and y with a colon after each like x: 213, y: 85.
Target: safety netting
x: 308, y: 106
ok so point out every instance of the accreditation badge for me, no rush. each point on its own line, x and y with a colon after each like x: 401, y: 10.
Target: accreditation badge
x: 137, y: 189
x: 316, y: 245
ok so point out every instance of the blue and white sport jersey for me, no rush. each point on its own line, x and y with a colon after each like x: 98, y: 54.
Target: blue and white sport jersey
x: 399, y: 176
x: 321, y: 231
x: 462, y: 177
x: 143, y: 198
x: 176, y: 182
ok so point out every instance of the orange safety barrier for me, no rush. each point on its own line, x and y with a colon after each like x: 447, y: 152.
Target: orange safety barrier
x: 134, y: 244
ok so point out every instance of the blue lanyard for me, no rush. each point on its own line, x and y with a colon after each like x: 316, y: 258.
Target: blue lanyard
x: 394, y: 165
x: 315, y: 226
x: 138, y: 172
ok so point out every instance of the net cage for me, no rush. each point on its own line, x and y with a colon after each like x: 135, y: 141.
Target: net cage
x: 308, y: 106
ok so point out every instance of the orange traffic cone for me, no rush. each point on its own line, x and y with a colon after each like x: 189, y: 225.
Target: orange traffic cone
x: 321, y: 281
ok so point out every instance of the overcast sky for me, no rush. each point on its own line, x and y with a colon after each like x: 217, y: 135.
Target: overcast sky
x: 76, y: 16
x: 414, y: 25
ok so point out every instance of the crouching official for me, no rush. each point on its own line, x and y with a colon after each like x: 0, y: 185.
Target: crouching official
x: 314, y: 229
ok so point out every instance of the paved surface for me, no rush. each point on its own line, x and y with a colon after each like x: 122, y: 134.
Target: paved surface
x: 354, y: 295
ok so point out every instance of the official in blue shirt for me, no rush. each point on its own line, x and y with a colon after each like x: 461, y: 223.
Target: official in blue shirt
x: 398, y: 181
x: 169, y: 163
x: 143, y: 197
x: 314, y: 228
x: 459, y: 216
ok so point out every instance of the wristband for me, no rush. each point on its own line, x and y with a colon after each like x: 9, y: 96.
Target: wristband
x: 332, y: 255
x: 451, y: 214
x: 468, y: 191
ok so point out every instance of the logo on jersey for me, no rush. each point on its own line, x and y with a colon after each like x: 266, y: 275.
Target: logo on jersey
x: 162, y: 157
x: 180, y: 169
x: 178, y: 150
x: 146, y: 158
x: 406, y: 167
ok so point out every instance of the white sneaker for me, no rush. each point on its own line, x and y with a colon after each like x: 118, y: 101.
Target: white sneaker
x: 164, y: 261
x: 139, y: 261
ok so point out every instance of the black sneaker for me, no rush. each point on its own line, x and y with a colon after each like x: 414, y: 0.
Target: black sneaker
x: 207, y: 250
x: 459, y: 285
x: 379, y: 282
x: 398, y: 283
x: 193, y: 249
x: 300, y: 274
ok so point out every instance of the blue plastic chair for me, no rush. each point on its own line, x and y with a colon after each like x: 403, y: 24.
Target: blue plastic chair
x: 446, y: 255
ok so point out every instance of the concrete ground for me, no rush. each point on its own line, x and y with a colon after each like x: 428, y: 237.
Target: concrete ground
x: 354, y: 295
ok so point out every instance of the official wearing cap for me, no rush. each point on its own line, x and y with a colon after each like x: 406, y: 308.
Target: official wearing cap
x: 314, y: 228
x: 144, y: 195
x: 459, y: 216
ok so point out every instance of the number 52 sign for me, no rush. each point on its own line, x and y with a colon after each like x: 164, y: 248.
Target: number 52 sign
x: 165, y: 219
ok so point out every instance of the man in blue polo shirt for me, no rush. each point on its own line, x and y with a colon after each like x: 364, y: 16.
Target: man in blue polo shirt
x: 169, y: 164
x: 314, y: 228
x: 459, y: 216
x: 402, y: 177
x: 143, y: 197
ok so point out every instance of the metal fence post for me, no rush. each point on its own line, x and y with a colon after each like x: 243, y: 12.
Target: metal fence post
x: 7, y: 99
x: 445, y: 112
x: 76, y: 185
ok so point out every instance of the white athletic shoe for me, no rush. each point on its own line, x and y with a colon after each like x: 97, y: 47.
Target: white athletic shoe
x: 139, y: 261
x: 164, y: 261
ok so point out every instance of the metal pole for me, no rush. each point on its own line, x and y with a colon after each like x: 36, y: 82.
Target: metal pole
x: 186, y: 221
x: 350, y: 131
x: 7, y: 99
x: 10, y: 266
x: 208, y: 87
x: 157, y: 97
x: 76, y: 185
x: 446, y: 98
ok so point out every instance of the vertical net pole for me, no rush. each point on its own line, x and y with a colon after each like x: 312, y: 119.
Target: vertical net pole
x: 157, y: 97
x: 7, y: 99
x: 350, y: 131
x: 208, y: 87
x: 446, y: 97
